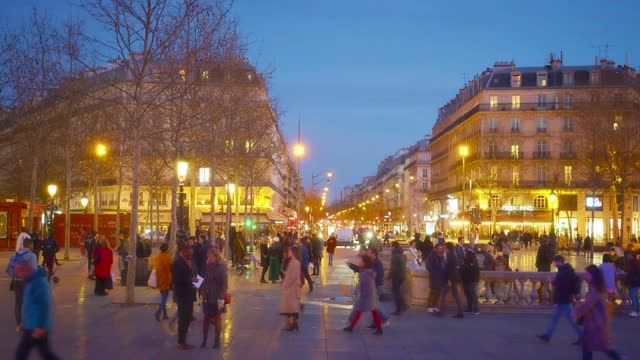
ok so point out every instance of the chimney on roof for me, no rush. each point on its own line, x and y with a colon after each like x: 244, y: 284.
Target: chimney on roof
x: 555, y: 62
x: 606, y: 63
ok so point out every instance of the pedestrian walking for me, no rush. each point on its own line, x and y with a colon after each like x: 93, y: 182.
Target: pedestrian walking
x: 122, y: 250
x: 437, y: 277
x: 90, y: 246
x: 164, y: 262
x: 37, y: 320
x: 578, y: 244
x: 592, y: 314
x: 632, y: 281
x: 21, y: 237
x: 37, y: 244
x: 566, y: 286
x: 49, y: 251
x: 331, y: 245
x: 290, y: 289
x: 316, y: 253
x: 398, y: 276
x: 264, y: 257
x: 184, y: 293
x: 544, y: 257
x: 608, y: 269
x: 452, y: 280
x: 275, y: 254
x: 379, y: 280
x: 214, y: 289
x: 470, y: 274
x: 102, y: 260
x: 305, y: 261
x: 367, y: 297
x: 240, y: 253
x: 17, y: 284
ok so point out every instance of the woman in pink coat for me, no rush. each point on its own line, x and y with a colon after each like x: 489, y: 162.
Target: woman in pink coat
x: 290, y: 290
x: 592, y: 314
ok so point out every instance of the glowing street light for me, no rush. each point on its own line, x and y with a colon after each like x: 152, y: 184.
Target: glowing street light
x: 84, y: 201
x: 52, y: 189
x: 298, y: 150
x: 101, y: 150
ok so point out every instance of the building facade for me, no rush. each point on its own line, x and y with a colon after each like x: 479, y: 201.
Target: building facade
x: 533, y: 149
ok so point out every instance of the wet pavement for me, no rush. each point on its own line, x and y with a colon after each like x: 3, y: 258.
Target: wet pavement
x: 89, y: 327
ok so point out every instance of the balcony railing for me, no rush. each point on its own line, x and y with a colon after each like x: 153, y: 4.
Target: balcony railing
x: 567, y: 155
x: 540, y: 155
x: 504, y: 155
x: 524, y: 106
x: 541, y: 129
x: 515, y: 129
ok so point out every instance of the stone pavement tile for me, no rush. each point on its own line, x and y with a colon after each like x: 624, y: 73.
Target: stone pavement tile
x: 339, y: 354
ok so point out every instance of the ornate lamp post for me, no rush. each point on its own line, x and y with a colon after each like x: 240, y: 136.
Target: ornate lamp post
x: 298, y: 151
x: 84, y: 201
x: 52, y: 189
x: 182, y: 169
x: 553, y: 198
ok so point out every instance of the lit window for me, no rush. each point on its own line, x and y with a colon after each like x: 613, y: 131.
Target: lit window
x: 515, y: 151
x: 516, y: 80
x: 493, y: 173
x: 567, y: 175
x: 204, y: 175
x: 617, y: 122
x: 493, y: 101
x: 542, y: 149
x: 540, y: 202
x: 205, y: 75
x: 515, y: 176
x: 494, y: 202
x: 515, y: 102
x: 229, y: 145
x: 183, y: 75
x: 542, y: 79
x: 249, y: 145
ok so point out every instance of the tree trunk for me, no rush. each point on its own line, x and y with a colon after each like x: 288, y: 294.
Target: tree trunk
x: 192, y: 202
x: 67, y: 205
x: 212, y: 200
x: 32, y: 193
x: 119, y: 197
x: 133, y: 231
x: 614, y: 213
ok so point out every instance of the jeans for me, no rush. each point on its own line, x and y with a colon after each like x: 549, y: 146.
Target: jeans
x: 633, y: 294
x: 456, y: 296
x: 434, y: 298
x: 471, y: 293
x: 384, y: 315
x: 305, y: 272
x: 27, y: 342
x: 330, y: 259
x: 185, y: 312
x: 162, y: 307
x: 316, y: 265
x: 558, y: 311
x: 18, y: 292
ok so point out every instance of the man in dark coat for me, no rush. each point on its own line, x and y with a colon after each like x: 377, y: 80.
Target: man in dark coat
x: 435, y: 265
x: 184, y: 293
x: 316, y: 253
x: 566, y: 286
x: 452, y: 278
x: 544, y: 257
x: 398, y: 276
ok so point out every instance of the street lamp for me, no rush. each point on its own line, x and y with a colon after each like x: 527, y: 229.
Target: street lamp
x: 52, y: 189
x: 553, y: 198
x: 84, y: 201
x: 464, y: 152
x: 298, y: 151
x: 182, y: 169
x: 100, y: 152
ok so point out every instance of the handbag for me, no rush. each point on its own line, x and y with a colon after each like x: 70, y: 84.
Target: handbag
x: 152, y: 282
x: 227, y: 298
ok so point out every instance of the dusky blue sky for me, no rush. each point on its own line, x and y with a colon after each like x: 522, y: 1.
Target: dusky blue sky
x: 367, y: 77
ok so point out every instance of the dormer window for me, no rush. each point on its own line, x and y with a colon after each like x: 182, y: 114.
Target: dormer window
x: 516, y: 79
x: 567, y: 79
x: 542, y: 79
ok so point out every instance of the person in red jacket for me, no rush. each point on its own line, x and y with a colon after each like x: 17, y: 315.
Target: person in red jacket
x: 102, y: 260
x: 331, y: 244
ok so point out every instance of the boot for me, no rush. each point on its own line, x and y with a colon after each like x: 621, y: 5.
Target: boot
x: 378, y: 331
x: 157, y: 315
x: 164, y: 314
x: 204, y: 343
x: 216, y: 344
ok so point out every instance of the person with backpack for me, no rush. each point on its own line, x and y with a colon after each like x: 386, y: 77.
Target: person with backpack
x: 566, y: 286
x: 17, y: 284
x: 49, y: 251
x: 632, y: 281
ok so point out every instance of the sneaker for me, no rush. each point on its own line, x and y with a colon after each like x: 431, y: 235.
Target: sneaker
x: 476, y: 313
x: 458, y: 316
x: 544, y: 337
x: 633, y: 314
x: 430, y: 310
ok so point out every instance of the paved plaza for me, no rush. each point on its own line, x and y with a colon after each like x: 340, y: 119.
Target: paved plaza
x: 89, y: 327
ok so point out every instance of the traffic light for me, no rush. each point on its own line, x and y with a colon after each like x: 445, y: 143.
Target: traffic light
x: 248, y: 223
